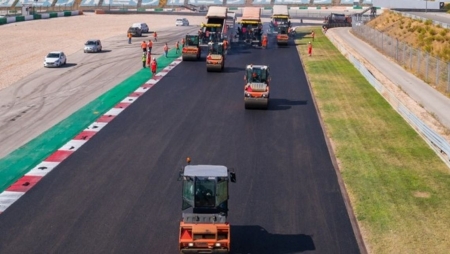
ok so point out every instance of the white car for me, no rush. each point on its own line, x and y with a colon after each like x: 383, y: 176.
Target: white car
x: 55, y: 59
x: 143, y: 26
x: 182, y: 22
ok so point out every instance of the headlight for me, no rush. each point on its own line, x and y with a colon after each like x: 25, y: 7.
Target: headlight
x: 218, y: 245
x: 191, y: 244
x: 247, y: 94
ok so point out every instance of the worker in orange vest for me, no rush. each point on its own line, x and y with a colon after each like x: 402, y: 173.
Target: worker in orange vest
x: 129, y: 38
x: 153, y: 66
x: 264, y: 41
x: 177, y: 46
x: 149, y: 58
x: 312, y: 35
x: 149, y: 46
x: 155, y: 36
x: 309, y: 48
x: 182, y: 43
x: 144, y: 46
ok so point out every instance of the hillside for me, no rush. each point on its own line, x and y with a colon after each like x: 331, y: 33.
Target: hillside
x: 416, y: 33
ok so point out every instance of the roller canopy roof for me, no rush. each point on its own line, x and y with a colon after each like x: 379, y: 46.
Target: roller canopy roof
x: 280, y: 10
x: 251, y: 13
x: 217, y: 11
x: 205, y: 171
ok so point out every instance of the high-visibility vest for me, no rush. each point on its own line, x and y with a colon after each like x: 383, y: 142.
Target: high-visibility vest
x: 153, y: 65
x: 150, y: 44
x: 143, y: 45
x: 166, y: 48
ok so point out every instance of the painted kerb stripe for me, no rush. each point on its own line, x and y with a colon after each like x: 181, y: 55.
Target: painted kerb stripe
x: 25, y: 183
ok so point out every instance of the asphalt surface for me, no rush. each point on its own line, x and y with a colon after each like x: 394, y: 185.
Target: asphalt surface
x: 119, y: 192
x: 48, y: 96
x: 432, y: 100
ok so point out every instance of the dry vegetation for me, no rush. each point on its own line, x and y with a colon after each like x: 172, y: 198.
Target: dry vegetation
x: 416, y: 33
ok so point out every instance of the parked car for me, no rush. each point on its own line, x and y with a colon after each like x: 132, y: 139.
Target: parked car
x: 55, y: 59
x: 143, y: 26
x: 93, y: 46
x: 182, y: 22
x: 135, y: 31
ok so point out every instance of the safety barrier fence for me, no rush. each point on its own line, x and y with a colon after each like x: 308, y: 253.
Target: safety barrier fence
x: 19, y: 18
x: 432, y: 70
x: 440, y: 145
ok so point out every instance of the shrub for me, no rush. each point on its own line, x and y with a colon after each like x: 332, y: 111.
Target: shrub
x: 443, y: 33
x: 428, y: 22
x: 428, y: 48
x: 432, y: 31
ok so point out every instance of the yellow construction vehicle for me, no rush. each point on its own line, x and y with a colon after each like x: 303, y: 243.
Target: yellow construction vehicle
x: 204, y: 227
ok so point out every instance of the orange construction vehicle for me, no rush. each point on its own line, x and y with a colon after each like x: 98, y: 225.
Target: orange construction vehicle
x: 191, y: 49
x: 256, y: 89
x: 215, y: 60
x: 204, y: 227
x: 283, y: 35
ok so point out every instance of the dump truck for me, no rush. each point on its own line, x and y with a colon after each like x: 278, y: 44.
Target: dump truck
x: 191, y: 49
x: 337, y: 20
x: 204, y: 227
x: 215, y: 28
x: 215, y: 61
x: 251, y: 21
x: 280, y: 17
x: 256, y: 89
x: 283, y: 35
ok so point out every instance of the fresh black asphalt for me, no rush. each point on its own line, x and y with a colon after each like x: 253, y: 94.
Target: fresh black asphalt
x: 119, y: 192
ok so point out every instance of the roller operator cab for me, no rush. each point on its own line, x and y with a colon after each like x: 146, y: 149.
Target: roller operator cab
x: 283, y: 35
x: 204, y: 227
x: 256, y: 90
x: 215, y: 61
x: 191, y: 49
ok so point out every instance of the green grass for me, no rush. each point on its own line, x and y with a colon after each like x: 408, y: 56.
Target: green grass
x: 398, y: 186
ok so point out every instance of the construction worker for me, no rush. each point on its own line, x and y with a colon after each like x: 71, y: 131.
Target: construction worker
x: 312, y: 35
x: 264, y: 41
x: 177, y: 46
x: 225, y: 44
x: 153, y: 66
x: 129, y: 38
x: 182, y: 43
x: 144, y: 46
x: 155, y: 36
x: 166, y: 49
x: 149, y: 46
x: 144, y: 59
x: 149, y: 58
x: 309, y: 48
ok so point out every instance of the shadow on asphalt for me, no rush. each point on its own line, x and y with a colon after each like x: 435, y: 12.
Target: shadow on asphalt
x: 255, y: 239
x: 283, y: 104
x: 103, y: 51
x: 68, y: 65
x: 232, y: 69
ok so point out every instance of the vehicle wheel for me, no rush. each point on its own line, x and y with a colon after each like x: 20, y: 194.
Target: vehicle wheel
x: 65, y: 61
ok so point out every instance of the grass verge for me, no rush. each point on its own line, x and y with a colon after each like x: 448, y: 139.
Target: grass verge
x: 398, y: 187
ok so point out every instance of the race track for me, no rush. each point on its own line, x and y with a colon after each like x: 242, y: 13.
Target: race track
x: 119, y: 192
x: 49, y: 95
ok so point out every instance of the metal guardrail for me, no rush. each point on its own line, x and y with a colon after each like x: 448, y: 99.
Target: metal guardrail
x: 440, y: 145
